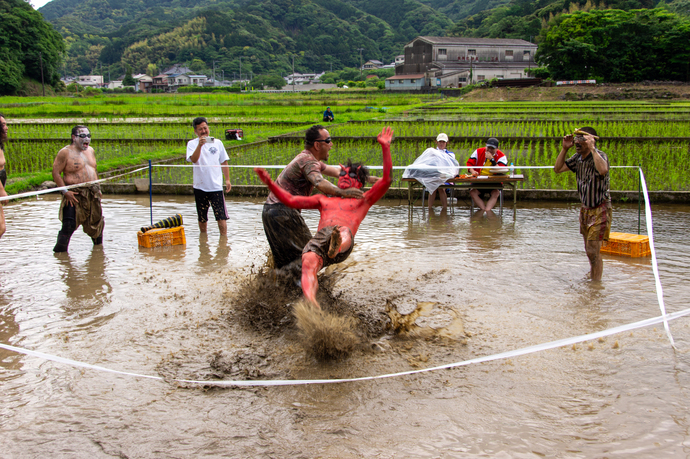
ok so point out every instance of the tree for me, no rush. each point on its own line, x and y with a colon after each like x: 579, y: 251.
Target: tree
x: 26, y: 40
x: 128, y: 80
x: 152, y: 70
x: 617, y: 46
x: 271, y: 81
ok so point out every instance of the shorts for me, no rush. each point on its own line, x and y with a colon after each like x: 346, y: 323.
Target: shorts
x: 204, y: 199
x: 320, y: 243
x: 286, y: 232
x: 595, y: 222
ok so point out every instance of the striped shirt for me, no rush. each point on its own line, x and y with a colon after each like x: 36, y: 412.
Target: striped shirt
x: 592, y: 187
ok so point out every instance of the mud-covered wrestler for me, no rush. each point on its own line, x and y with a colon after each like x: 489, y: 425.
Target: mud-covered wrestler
x: 340, y: 217
x: 285, y: 229
x: 75, y: 164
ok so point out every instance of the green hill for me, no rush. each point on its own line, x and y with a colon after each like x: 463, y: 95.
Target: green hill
x: 267, y: 36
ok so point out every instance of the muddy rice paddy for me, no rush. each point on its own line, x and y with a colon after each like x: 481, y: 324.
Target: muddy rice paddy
x: 420, y: 290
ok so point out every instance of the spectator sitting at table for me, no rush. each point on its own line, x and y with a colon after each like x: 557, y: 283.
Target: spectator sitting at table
x: 433, y: 168
x: 328, y: 115
x: 485, y: 158
x: 441, y: 144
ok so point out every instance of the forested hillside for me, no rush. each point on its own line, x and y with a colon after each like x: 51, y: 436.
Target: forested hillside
x: 621, y: 40
x: 265, y: 34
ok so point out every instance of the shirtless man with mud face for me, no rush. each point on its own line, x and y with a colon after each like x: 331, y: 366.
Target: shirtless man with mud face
x: 80, y: 206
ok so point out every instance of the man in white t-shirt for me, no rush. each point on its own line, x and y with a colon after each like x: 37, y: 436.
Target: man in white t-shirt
x: 209, y: 154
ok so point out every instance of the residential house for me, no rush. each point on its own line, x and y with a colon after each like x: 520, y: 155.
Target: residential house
x: 198, y: 80
x: 176, y: 80
x: 406, y: 82
x: 160, y: 83
x: 482, y: 58
x: 177, y: 69
x: 303, y: 78
x: 372, y: 64
x: 144, y: 83
x: 90, y: 81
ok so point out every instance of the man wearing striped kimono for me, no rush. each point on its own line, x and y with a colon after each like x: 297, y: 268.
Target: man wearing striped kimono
x: 591, y: 167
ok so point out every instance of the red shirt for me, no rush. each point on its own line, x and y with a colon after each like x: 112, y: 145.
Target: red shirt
x: 478, y: 159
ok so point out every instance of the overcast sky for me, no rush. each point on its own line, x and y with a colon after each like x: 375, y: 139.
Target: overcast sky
x: 38, y: 3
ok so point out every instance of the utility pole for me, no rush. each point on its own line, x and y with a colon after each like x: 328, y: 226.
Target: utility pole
x: 360, y: 60
x: 40, y: 57
x: 293, y: 73
x: 240, y: 73
x: 214, y: 74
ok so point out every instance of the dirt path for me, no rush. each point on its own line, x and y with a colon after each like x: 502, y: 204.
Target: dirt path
x: 663, y: 91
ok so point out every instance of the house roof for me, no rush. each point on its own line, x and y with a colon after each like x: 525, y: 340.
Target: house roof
x: 473, y: 41
x: 177, y: 68
x: 406, y: 77
x: 374, y: 61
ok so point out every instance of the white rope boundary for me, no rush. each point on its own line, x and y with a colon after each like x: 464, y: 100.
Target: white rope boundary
x: 301, y: 382
x: 263, y: 166
x: 663, y: 318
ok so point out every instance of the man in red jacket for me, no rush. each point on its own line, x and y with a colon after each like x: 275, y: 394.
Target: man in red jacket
x: 340, y: 217
x: 478, y: 164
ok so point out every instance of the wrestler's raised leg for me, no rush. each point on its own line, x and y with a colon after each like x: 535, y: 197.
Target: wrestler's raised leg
x: 69, y: 226
x: 345, y: 239
x: 311, y: 264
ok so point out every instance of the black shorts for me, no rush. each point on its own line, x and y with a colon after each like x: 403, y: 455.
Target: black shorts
x: 286, y: 231
x: 215, y: 199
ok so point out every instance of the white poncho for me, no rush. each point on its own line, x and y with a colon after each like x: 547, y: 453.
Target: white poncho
x: 432, y: 169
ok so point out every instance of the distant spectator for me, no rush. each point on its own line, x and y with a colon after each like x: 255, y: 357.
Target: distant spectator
x: 328, y: 115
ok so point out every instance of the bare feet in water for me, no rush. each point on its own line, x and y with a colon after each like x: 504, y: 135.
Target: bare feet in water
x: 336, y: 240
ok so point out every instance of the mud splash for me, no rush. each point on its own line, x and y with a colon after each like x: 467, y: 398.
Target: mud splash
x: 325, y: 336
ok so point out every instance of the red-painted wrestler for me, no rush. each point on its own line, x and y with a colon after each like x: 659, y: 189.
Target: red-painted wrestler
x: 340, y: 217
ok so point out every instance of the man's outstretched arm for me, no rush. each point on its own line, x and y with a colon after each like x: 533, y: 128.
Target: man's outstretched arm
x: 381, y: 186
x: 296, y: 202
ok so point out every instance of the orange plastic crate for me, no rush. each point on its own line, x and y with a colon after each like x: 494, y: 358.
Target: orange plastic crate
x: 162, y: 237
x: 629, y: 245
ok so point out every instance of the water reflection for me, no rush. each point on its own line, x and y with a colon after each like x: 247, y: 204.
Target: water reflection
x: 213, y: 262
x: 9, y: 328
x: 87, y: 286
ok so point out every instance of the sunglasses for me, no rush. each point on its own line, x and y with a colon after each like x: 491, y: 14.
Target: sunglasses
x: 83, y: 136
x: 352, y: 174
x: 328, y: 140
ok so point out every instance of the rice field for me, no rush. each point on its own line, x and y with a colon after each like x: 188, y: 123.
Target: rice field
x: 132, y: 127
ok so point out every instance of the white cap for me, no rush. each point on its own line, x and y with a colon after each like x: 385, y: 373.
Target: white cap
x: 442, y: 137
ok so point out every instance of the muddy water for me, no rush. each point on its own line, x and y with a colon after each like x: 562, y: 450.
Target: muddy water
x: 453, y: 287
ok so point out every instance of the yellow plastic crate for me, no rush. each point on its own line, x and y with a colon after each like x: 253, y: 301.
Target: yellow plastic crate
x: 629, y: 245
x: 162, y: 237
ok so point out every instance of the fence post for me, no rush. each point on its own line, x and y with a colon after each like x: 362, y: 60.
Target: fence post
x: 150, y: 193
x: 639, y: 196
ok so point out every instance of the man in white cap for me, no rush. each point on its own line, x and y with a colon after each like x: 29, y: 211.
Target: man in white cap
x: 441, y: 144
x: 484, y: 158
